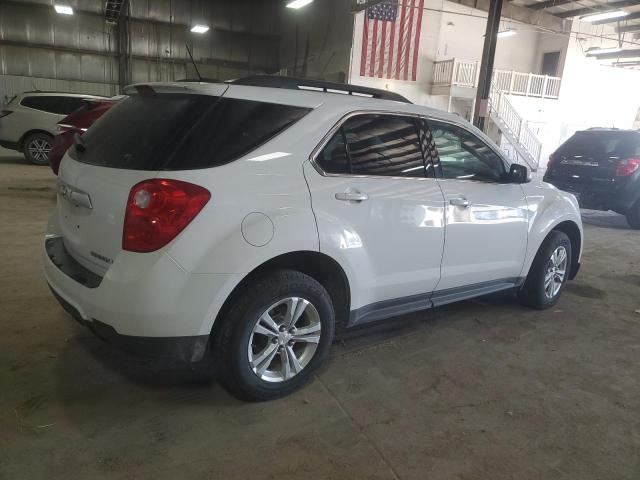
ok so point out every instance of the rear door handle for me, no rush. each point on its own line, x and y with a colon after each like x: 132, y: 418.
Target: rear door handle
x: 352, y: 196
x: 459, y: 202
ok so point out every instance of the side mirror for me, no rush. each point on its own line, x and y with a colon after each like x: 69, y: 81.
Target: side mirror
x: 518, y: 174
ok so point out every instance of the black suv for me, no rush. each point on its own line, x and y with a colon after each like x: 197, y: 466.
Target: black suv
x: 601, y: 167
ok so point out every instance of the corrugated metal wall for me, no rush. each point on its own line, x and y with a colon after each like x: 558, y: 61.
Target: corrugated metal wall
x: 11, y: 85
x: 36, y: 42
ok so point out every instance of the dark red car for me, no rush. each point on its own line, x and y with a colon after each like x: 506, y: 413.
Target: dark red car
x: 77, y: 122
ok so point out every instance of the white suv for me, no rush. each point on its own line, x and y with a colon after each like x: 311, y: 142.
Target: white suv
x: 249, y: 222
x: 28, y: 123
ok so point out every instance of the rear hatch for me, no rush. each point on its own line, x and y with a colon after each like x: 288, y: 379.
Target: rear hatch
x: 156, y: 129
x: 132, y: 142
x: 590, y: 158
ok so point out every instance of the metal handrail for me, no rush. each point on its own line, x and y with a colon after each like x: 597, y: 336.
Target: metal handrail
x: 464, y: 73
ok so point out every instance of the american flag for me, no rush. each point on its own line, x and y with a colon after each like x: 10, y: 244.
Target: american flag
x: 391, y: 40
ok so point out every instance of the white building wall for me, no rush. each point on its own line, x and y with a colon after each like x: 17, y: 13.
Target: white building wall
x: 462, y: 36
x: 452, y: 30
x: 592, y: 94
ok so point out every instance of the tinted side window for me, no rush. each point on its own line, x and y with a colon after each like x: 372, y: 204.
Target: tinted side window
x: 70, y: 104
x: 429, y: 149
x: 181, y: 132
x: 333, y: 157
x: 464, y: 156
x: 384, y: 145
x: 49, y: 104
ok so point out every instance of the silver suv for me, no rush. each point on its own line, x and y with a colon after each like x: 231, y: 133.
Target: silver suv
x: 28, y: 122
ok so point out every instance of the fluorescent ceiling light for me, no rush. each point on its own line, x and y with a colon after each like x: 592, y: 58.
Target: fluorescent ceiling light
x: 602, y: 50
x: 298, y: 3
x: 63, y: 9
x: 200, y: 28
x: 605, y: 16
x: 507, y: 33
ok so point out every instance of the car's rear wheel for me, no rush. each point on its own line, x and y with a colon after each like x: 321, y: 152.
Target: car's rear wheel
x: 276, y: 334
x: 36, y: 148
x: 549, y: 272
x: 633, y: 216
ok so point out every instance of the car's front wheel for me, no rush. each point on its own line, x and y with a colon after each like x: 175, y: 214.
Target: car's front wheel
x: 549, y: 272
x: 276, y: 334
x: 37, y: 147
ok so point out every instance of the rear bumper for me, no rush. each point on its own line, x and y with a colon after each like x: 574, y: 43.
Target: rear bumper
x: 616, y: 197
x: 185, y: 349
x: 146, y: 304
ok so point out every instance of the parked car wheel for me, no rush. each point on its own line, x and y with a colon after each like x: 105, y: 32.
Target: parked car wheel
x: 549, y: 272
x: 37, y: 147
x: 275, y: 335
x: 633, y: 216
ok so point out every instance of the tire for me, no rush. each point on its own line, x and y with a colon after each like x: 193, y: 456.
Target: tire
x: 240, y: 341
x: 36, y: 148
x: 536, y: 292
x: 633, y: 216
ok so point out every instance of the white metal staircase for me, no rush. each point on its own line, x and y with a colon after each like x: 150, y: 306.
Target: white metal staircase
x: 515, y: 129
x: 464, y: 73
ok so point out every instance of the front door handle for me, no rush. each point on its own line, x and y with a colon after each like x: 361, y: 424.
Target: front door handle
x: 352, y: 196
x: 459, y: 202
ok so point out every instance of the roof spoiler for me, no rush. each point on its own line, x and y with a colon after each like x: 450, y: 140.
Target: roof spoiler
x: 293, y: 83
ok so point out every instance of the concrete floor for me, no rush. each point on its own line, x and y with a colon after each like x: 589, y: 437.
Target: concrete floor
x: 481, y: 390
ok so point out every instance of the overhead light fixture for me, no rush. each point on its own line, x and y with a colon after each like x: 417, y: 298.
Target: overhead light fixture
x: 605, y: 16
x: 200, y: 29
x: 509, y: 32
x: 298, y: 3
x: 602, y: 50
x: 63, y: 9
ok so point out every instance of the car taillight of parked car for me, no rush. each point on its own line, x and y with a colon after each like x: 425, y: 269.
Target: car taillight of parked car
x: 158, y: 210
x: 627, y: 167
x: 4, y: 113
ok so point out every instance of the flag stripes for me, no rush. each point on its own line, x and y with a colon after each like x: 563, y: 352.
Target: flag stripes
x: 391, y: 40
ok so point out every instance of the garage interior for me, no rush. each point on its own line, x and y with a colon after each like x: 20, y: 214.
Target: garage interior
x: 480, y: 389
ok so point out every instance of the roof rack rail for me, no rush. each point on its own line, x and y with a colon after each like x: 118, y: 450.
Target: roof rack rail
x: 293, y: 83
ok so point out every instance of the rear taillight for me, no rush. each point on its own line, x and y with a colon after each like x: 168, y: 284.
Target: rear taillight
x: 627, y: 167
x: 158, y: 210
x: 4, y: 113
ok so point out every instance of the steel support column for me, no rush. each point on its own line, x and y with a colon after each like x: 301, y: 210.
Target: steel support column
x: 486, y: 66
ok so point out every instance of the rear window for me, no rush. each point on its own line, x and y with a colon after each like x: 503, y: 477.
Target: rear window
x: 182, y: 132
x: 601, y: 144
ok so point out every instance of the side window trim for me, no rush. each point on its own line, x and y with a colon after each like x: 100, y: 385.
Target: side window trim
x: 505, y: 164
x: 346, y: 149
x: 339, y: 126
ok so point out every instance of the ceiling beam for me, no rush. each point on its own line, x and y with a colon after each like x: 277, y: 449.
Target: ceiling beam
x: 631, y: 16
x: 609, y: 7
x: 632, y: 53
x: 628, y: 28
x: 547, y: 4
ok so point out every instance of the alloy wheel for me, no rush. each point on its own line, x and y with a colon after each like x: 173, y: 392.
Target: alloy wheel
x: 39, y: 150
x: 555, y: 272
x: 284, y: 339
